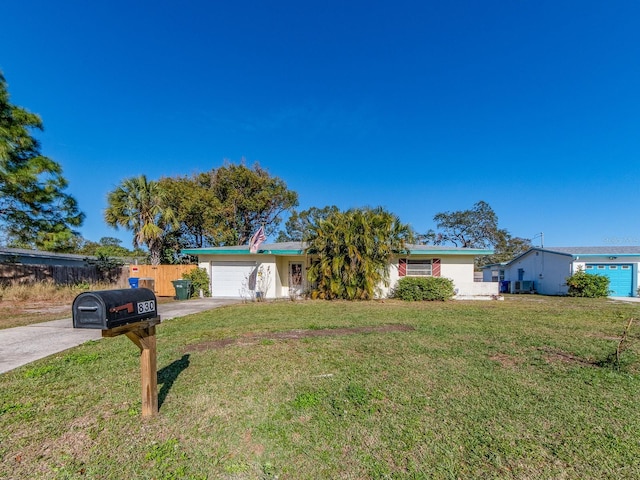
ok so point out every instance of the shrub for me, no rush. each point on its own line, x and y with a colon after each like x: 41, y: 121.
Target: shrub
x: 423, y: 288
x: 199, y: 281
x: 582, y: 284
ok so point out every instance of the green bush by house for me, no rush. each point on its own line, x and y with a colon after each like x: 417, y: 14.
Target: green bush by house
x: 582, y: 284
x: 199, y: 281
x: 424, y: 288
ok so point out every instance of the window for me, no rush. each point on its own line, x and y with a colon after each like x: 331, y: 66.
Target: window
x: 601, y: 267
x: 589, y: 267
x: 625, y: 267
x: 419, y: 268
x: 613, y: 267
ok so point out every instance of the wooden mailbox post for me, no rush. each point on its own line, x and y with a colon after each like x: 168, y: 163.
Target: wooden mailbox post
x: 131, y: 312
x: 143, y: 334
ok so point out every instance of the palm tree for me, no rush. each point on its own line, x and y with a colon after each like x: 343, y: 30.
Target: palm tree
x: 139, y: 205
x: 350, y: 252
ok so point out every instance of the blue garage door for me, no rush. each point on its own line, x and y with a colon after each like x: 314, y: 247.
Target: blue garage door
x: 620, y: 277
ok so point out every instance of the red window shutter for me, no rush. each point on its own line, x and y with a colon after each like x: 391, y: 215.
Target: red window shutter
x: 435, y: 267
x: 402, y: 267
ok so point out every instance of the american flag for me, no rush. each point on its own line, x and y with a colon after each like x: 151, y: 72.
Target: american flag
x: 256, y: 240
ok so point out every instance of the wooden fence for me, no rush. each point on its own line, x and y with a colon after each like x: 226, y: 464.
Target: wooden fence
x: 159, y: 277
x: 17, y: 273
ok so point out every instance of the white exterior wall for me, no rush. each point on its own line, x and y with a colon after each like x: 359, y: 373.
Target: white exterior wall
x: 485, y: 290
x: 283, y: 274
x: 393, y: 279
x: 275, y: 273
x: 547, y: 270
x: 268, y: 278
x: 266, y: 264
x: 458, y: 268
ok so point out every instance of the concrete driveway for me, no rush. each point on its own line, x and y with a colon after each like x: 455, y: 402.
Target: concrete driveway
x: 22, y: 345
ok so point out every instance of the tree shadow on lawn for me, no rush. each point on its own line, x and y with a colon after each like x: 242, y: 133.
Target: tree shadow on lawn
x: 168, y: 375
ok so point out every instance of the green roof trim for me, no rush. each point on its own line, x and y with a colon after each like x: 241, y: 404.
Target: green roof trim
x: 243, y: 250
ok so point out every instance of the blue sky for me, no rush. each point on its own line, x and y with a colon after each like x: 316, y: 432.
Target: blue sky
x: 418, y: 106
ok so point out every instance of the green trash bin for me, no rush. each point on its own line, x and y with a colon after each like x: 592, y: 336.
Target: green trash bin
x: 183, y: 289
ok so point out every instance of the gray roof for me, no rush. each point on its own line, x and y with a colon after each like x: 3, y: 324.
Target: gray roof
x: 611, y: 250
x: 439, y: 248
x: 283, y: 246
x: 493, y: 265
x: 297, y: 248
x: 40, y: 254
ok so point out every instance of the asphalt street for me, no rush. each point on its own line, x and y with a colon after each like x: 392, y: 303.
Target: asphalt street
x: 22, y: 345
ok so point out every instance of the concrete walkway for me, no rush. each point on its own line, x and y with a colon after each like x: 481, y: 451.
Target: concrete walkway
x: 626, y: 299
x: 22, y: 345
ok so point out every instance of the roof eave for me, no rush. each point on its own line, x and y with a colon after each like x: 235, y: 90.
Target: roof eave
x: 445, y: 251
x: 206, y: 251
x: 580, y: 255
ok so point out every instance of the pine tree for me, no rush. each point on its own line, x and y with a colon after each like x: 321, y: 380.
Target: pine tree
x: 34, y: 209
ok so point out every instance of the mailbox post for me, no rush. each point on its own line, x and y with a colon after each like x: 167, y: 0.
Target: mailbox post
x: 131, y: 312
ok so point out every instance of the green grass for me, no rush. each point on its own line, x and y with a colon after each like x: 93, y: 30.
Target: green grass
x: 513, y: 389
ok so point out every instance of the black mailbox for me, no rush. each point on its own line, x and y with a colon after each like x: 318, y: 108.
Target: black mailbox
x: 107, y: 309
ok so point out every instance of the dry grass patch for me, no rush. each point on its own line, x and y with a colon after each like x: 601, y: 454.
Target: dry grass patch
x: 252, y: 339
x: 22, y: 305
x: 508, y: 361
x: 17, y: 314
x: 39, y: 302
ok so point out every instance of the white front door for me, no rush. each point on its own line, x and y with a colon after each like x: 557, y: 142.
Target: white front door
x: 296, y: 279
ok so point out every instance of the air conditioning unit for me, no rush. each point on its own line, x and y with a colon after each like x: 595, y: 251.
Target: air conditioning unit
x: 524, y: 286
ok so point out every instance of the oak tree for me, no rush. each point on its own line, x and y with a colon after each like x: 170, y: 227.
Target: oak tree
x: 298, y: 225
x: 477, y: 228
x: 226, y: 205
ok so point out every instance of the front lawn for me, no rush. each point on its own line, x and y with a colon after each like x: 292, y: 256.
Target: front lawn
x: 525, y: 388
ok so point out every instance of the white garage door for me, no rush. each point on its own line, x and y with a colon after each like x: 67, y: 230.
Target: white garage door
x: 231, y: 279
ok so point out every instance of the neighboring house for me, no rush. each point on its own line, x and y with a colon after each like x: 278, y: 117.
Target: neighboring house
x: 37, y: 257
x: 493, y: 272
x: 545, y: 270
x: 279, y: 270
